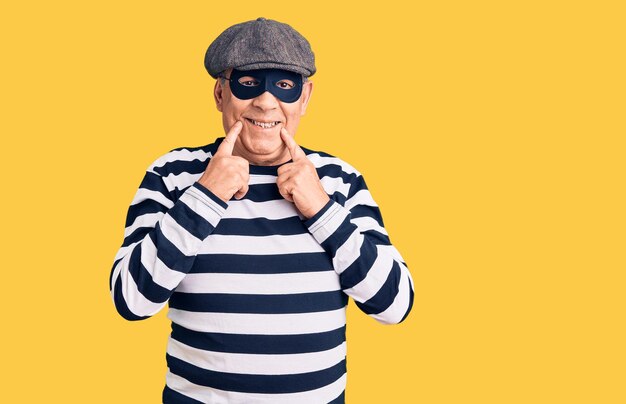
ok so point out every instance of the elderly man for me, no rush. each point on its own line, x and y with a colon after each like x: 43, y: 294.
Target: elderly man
x: 256, y: 242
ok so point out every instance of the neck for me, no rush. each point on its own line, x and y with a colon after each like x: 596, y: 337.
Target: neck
x: 281, y: 157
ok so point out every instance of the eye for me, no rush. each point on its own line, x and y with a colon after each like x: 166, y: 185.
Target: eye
x: 285, y: 84
x: 248, y: 81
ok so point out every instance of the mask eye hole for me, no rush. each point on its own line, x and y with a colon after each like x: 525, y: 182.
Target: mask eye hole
x: 285, y: 84
x: 248, y: 81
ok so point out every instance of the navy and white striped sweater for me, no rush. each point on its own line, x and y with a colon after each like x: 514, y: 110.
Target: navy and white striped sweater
x: 257, y: 294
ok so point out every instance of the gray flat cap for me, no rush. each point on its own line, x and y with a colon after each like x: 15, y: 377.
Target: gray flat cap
x: 260, y: 44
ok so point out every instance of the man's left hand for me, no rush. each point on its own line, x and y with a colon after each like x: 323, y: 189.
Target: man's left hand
x: 298, y: 181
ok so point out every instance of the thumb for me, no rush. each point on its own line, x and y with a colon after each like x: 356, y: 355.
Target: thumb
x: 295, y: 151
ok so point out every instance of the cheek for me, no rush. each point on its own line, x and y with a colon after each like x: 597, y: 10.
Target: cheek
x: 292, y: 123
x: 293, y: 114
x: 233, y: 107
x: 227, y: 122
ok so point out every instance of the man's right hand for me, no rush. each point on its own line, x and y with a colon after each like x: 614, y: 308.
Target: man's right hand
x: 227, y: 175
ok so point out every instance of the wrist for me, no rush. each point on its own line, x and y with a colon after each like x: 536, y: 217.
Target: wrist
x: 209, y: 191
x: 316, y: 207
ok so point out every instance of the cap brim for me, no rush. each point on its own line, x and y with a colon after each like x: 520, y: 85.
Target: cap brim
x: 274, y: 65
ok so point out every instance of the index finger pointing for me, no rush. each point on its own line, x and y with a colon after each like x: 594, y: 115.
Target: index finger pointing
x: 296, y: 151
x: 228, y: 143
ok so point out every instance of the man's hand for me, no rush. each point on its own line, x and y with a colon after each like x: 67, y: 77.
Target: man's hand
x: 227, y: 175
x: 298, y: 181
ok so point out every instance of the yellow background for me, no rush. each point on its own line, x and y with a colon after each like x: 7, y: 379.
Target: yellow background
x: 490, y: 133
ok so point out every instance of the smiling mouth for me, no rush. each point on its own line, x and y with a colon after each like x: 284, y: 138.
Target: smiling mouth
x: 265, y: 125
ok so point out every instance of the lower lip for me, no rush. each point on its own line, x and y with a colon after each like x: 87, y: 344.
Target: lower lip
x: 260, y: 128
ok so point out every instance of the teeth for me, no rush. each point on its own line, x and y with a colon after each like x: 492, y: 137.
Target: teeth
x: 264, y: 124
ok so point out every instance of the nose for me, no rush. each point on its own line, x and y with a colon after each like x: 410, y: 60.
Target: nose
x: 265, y: 101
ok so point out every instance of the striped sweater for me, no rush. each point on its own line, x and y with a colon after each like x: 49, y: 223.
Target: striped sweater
x: 257, y: 293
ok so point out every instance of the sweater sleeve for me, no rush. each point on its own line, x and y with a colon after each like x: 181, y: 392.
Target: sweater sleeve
x: 161, y: 240
x: 370, y: 268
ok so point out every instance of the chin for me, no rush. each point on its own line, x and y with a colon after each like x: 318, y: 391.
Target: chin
x: 263, y: 144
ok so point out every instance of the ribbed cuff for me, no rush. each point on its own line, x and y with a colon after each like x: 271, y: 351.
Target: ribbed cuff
x: 210, y: 194
x: 327, y: 221
x: 204, y: 203
x: 309, y: 222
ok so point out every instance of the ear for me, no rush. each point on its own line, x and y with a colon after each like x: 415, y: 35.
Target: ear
x: 307, y: 90
x: 218, y: 94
